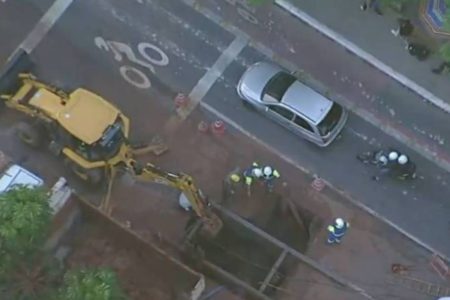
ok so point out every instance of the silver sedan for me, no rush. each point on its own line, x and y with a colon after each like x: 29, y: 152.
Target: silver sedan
x: 280, y: 96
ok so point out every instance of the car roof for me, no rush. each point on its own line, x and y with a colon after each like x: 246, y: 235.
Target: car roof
x: 256, y: 77
x: 307, y: 102
x: 16, y: 175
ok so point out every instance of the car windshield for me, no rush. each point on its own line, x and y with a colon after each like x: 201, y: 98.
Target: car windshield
x: 330, y: 120
x: 277, y: 86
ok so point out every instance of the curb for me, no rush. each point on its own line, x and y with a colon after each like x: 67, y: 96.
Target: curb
x: 346, y: 196
x: 336, y: 37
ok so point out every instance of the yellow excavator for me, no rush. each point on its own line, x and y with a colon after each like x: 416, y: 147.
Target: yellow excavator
x: 90, y: 134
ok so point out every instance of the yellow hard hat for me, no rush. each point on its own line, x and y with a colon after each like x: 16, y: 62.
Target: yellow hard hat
x: 235, y: 177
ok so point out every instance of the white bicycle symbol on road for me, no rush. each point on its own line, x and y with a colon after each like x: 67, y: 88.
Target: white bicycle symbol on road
x: 131, y: 74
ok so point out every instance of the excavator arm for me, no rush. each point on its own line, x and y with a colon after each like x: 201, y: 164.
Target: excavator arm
x: 180, y: 181
x: 185, y: 184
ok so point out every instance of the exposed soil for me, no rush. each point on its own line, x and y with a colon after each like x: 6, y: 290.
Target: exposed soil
x: 151, y: 210
x: 143, y: 275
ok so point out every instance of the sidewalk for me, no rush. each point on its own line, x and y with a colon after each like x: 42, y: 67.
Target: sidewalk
x: 372, y: 34
x: 364, y: 257
x: 369, y: 245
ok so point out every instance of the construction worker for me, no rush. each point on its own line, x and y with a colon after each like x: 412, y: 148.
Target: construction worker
x: 387, y: 164
x: 231, y: 183
x: 406, y: 168
x: 269, y: 175
x: 337, y: 231
x: 254, y: 172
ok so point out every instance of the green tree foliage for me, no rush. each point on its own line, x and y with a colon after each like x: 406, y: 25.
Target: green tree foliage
x: 447, y: 15
x: 25, y: 217
x: 95, y: 284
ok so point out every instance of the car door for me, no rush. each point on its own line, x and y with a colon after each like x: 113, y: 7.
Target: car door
x: 280, y: 114
x: 305, y: 129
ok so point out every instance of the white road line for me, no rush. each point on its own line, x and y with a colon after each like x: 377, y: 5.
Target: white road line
x: 207, y: 81
x: 44, y: 25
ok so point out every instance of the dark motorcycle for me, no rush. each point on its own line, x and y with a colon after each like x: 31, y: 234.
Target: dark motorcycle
x: 378, y: 158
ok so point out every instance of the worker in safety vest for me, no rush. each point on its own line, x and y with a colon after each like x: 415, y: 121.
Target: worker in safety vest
x: 337, y: 231
x: 269, y: 175
x: 231, y: 183
x: 254, y: 172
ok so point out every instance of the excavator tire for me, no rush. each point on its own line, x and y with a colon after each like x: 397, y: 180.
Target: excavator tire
x: 93, y: 177
x: 30, y: 135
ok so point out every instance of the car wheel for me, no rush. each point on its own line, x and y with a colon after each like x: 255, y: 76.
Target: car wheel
x: 30, y: 135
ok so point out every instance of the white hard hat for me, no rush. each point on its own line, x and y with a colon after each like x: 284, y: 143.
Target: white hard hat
x: 383, y: 159
x: 267, y: 171
x: 403, y: 159
x: 393, y: 155
x: 339, y: 223
x: 257, y: 172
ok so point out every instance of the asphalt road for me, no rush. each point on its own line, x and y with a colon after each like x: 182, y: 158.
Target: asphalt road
x: 17, y: 18
x: 165, y: 47
x: 370, y: 92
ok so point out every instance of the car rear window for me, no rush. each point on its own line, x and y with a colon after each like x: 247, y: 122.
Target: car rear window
x: 330, y: 120
x: 278, y: 84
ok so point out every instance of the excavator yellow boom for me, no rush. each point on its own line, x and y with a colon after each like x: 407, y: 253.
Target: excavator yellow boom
x: 211, y: 223
x: 180, y: 181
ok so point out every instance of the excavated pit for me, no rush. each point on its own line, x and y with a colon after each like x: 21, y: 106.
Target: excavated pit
x: 248, y: 256
x: 150, y: 211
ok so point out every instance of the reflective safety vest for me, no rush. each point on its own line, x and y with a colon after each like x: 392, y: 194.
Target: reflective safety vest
x: 338, y: 232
